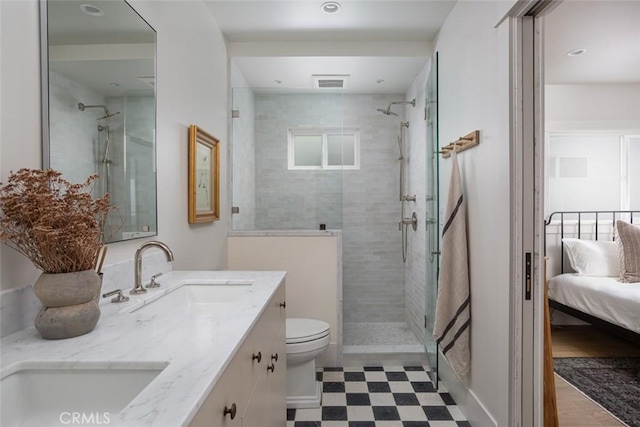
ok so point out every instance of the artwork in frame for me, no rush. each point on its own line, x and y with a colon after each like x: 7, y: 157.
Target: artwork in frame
x: 204, y: 176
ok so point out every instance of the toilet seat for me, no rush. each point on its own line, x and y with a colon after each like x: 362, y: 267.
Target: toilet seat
x: 305, y: 330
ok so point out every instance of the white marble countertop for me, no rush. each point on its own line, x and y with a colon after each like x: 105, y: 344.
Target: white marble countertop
x: 196, y: 348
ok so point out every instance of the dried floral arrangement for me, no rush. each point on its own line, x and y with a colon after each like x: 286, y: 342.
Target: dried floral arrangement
x: 58, y: 225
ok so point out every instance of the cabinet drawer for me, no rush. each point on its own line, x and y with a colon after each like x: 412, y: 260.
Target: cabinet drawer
x: 228, y: 391
x: 255, y: 379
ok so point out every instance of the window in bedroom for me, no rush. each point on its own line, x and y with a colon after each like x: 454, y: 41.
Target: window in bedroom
x: 324, y: 149
x: 593, y: 172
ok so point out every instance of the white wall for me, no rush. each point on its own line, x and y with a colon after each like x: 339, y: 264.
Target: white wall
x: 313, y: 266
x: 186, y: 94
x: 592, y: 107
x: 474, y: 94
x: 20, y: 99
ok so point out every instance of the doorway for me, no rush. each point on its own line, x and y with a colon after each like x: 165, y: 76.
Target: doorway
x: 548, y: 88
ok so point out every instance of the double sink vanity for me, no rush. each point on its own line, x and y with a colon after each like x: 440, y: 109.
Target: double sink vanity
x: 203, y: 349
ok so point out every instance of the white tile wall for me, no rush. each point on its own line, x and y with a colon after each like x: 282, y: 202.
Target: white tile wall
x: 140, y: 117
x: 364, y: 203
x: 416, y: 266
x: 78, y: 147
x: 297, y: 199
x: 73, y: 133
x: 373, y: 269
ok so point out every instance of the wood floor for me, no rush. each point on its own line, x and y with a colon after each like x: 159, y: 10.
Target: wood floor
x: 575, y: 409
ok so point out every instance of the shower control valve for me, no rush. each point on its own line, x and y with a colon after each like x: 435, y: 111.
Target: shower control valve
x: 412, y: 221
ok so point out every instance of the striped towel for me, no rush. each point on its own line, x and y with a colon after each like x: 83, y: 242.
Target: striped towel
x: 453, y: 312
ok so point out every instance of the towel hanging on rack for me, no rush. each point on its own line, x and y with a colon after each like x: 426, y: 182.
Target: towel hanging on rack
x: 453, y: 311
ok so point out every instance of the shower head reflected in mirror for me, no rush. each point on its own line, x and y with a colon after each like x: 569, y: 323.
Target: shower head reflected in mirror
x: 109, y: 115
x: 82, y: 107
x: 388, y: 112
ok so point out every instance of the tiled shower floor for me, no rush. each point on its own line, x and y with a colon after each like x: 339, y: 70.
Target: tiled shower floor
x: 381, y: 343
x: 378, y: 333
x: 389, y: 396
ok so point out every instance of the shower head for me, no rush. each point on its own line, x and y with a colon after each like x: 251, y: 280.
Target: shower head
x: 388, y: 112
x: 108, y: 115
x: 82, y: 107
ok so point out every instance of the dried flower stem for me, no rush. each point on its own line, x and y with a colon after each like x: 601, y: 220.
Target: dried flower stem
x: 51, y: 221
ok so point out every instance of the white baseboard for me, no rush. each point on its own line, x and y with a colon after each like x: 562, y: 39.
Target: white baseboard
x: 467, y: 401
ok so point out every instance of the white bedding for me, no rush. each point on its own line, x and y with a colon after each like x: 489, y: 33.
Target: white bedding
x: 601, y: 297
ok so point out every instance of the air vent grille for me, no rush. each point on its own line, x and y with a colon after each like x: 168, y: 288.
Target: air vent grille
x: 335, y: 83
x: 330, y: 81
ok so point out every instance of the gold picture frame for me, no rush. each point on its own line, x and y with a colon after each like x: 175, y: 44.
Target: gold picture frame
x: 204, y: 176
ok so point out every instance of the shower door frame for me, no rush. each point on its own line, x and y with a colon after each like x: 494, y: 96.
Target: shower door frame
x: 432, y: 220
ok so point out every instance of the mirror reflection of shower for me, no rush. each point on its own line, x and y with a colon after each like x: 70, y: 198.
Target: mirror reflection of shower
x: 104, y: 159
x: 412, y: 221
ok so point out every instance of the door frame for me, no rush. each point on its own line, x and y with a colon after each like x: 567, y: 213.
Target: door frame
x: 526, y: 47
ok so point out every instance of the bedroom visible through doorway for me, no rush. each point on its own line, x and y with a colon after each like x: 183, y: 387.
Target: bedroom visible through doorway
x: 591, y: 126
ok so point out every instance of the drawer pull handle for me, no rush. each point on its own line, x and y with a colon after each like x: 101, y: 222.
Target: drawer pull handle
x: 271, y: 368
x: 257, y: 357
x: 274, y: 357
x: 230, y: 411
x: 283, y: 304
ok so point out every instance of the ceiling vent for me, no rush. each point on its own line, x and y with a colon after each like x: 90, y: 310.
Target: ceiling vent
x: 330, y: 81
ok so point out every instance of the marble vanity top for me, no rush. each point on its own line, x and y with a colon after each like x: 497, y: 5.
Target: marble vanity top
x: 196, y: 348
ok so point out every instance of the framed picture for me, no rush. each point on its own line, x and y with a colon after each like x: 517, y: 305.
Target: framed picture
x: 204, y: 176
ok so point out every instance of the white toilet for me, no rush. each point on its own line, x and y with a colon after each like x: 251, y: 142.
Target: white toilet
x: 306, y: 340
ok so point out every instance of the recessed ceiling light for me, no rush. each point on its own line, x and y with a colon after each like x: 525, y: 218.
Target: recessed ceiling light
x: 91, y: 10
x: 331, y: 7
x: 576, y: 52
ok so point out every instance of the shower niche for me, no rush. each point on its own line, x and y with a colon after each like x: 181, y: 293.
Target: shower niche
x: 99, y: 106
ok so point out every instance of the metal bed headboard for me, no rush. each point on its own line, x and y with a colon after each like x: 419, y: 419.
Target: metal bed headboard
x: 579, y: 218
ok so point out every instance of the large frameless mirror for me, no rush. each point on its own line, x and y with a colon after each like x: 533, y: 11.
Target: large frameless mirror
x: 99, y: 105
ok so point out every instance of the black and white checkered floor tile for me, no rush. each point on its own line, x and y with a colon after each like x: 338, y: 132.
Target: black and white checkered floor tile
x: 389, y: 396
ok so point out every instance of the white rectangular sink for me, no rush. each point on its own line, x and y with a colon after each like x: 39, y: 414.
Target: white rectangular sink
x: 61, y: 394
x: 197, y: 298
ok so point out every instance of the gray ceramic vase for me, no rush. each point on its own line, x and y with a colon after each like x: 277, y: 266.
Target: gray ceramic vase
x: 69, y: 304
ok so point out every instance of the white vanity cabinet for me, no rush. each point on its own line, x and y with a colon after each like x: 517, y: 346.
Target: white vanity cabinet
x: 252, y: 389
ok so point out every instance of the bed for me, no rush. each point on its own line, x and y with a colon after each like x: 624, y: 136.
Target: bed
x: 595, y: 296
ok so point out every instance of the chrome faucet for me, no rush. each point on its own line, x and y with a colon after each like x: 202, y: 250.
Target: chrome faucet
x: 138, y: 289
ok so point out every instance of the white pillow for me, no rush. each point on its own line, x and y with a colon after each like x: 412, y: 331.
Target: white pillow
x: 592, y: 257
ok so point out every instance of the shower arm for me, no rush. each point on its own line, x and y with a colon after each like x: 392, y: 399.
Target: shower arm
x: 388, y: 111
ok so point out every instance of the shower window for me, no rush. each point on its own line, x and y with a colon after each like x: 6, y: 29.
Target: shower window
x: 324, y: 149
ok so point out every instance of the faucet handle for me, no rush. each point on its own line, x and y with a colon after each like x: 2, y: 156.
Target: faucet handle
x: 153, y: 283
x: 119, y: 297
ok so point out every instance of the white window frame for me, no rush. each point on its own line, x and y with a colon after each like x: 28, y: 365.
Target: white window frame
x: 324, y: 132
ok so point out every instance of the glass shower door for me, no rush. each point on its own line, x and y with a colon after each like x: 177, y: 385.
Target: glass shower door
x: 432, y: 220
